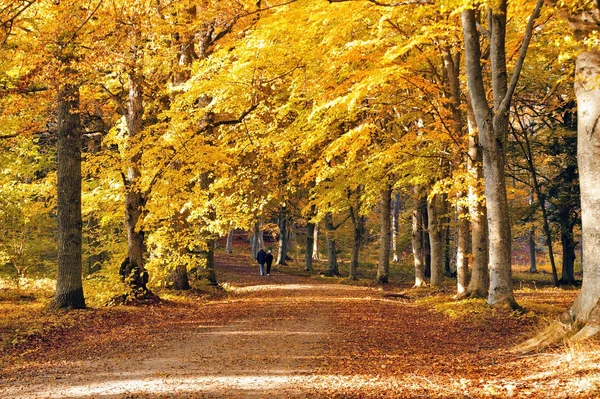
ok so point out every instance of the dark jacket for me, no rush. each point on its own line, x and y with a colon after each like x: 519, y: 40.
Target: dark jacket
x: 261, y: 256
x: 269, y: 259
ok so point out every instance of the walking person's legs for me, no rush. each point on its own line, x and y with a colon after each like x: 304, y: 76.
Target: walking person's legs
x: 262, y: 269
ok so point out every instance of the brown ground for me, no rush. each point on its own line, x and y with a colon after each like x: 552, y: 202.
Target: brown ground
x: 292, y: 336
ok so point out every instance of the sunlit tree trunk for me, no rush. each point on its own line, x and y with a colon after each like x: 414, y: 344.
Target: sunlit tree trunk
x: 435, y: 241
x: 257, y: 238
x: 492, y: 123
x: 284, y: 236
x: 417, y: 239
x: 134, y: 272
x: 462, y: 245
x: 395, y: 226
x: 479, y: 282
x: 315, y: 251
x: 308, y: 255
x: 383, y: 268
x: 69, y: 289
x: 587, y: 92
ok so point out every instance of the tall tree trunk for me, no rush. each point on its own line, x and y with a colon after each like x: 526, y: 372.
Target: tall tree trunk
x: 134, y: 272
x: 417, y: 239
x: 69, y: 289
x: 229, y: 244
x: 587, y: 92
x: 395, y: 226
x: 284, y: 236
x: 383, y: 268
x: 332, y: 265
x: 462, y: 246
x: 492, y: 124
x: 479, y: 282
x: 435, y: 241
x: 315, y: 251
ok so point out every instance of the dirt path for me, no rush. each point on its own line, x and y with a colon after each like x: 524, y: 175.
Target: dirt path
x: 267, y: 339
x: 283, y: 336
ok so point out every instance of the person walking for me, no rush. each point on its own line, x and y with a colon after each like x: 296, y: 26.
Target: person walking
x: 260, y: 258
x: 269, y: 261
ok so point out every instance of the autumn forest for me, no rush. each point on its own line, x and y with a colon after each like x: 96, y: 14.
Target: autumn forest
x: 424, y: 175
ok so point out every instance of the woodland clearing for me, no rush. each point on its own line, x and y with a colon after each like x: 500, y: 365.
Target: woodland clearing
x: 289, y: 335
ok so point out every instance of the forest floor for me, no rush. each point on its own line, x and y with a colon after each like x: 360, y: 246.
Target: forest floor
x: 295, y: 336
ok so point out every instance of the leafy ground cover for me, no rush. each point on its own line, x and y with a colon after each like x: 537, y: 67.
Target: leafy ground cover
x: 290, y: 335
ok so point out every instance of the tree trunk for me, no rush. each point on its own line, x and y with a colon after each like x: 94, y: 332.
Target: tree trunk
x: 383, y: 268
x: 284, y: 236
x: 395, y: 226
x: 134, y: 272
x: 587, y: 92
x: 229, y: 244
x: 462, y: 246
x: 568, y: 258
x: 308, y: 255
x: 479, y: 283
x: 211, y: 276
x: 435, y: 241
x: 315, y: 251
x: 493, y: 129
x: 179, y: 278
x: 69, y: 289
x: 257, y: 239
x: 417, y: 239
x: 532, y: 252
x: 358, y: 224
x: 332, y: 265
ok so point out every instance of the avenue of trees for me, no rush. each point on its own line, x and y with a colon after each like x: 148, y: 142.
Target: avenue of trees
x: 135, y: 134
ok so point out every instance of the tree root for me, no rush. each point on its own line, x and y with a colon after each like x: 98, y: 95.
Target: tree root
x: 552, y: 334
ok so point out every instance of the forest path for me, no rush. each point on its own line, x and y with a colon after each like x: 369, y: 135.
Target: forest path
x: 281, y: 336
x: 265, y: 340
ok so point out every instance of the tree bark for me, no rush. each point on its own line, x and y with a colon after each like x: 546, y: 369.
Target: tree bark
x: 69, y: 289
x: 179, y: 278
x: 493, y: 129
x: 479, y: 282
x: 308, y: 255
x: 532, y: 252
x: 332, y: 265
x: 284, y: 236
x: 435, y: 241
x: 568, y: 258
x: 211, y: 275
x: 395, y: 226
x: 417, y: 239
x: 462, y: 246
x: 134, y: 272
x: 315, y: 251
x: 229, y: 244
x: 358, y: 229
x: 383, y: 268
x: 587, y: 92
x: 257, y: 239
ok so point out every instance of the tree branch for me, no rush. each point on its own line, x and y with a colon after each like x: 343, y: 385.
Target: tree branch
x: 519, y: 65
